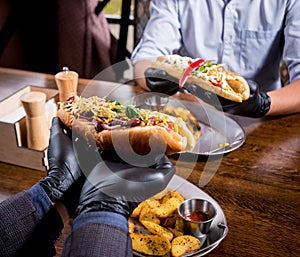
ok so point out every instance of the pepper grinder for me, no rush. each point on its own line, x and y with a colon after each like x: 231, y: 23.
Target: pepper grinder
x: 66, y: 82
x: 36, y: 122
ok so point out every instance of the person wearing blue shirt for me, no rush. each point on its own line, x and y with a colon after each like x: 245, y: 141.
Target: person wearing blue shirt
x: 99, y: 194
x: 251, y: 37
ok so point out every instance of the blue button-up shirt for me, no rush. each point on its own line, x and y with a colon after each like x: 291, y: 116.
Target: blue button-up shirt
x: 251, y: 37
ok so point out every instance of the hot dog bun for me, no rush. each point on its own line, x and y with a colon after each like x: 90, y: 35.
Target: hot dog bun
x: 143, y: 140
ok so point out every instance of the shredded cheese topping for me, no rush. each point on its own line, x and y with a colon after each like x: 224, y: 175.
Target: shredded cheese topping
x: 182, y: 62
x: 211, y: 72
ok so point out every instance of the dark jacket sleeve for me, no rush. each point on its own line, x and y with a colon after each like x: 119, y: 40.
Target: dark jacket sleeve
x: 23, y: 232
x: 94, y: 240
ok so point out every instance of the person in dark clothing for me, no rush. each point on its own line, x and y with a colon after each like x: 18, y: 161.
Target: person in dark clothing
x: 99, y: 201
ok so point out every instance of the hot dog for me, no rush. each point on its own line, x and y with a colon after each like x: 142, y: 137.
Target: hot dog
x: 113, y: 126
x: 208, y: 75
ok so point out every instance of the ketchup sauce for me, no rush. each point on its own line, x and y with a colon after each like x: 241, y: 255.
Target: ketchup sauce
x: 197, y: 216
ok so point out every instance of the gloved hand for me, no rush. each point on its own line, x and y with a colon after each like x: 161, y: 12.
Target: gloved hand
x: 160, y: 81
x: 116, y: 186
x: 256, y: 106
x: 64, y: 179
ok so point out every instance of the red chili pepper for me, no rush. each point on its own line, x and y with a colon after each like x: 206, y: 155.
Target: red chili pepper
x: 188, y: 70
x: 217, y: 84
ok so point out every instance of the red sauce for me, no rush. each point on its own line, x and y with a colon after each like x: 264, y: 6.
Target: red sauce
x: 197, y: 216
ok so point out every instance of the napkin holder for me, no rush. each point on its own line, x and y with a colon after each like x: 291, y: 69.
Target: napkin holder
x: 13, y: 134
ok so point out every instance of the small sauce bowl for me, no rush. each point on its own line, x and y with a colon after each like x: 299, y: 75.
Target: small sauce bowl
x: 197, y: 215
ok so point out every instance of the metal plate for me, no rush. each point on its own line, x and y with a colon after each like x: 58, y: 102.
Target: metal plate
x: 220, y: 133
x: 219, y: 228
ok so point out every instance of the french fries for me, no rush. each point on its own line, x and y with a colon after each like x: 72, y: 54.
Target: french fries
x: 165, y: 233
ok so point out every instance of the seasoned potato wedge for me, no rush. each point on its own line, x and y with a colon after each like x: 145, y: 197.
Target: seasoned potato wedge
x: 147, y: 215
x: 131, y: 227
x: 166, y: 209
x: 152, y: 203
x: 182, y: 245
x: 169, y: 221
x: 136, y: 212
x: 176, y: 232
x: 150, y: 244
x: 179, y: 224
x: 172, y: 194
x: 157, y: 229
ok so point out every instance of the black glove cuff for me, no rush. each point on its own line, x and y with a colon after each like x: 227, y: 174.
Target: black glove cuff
x: 51, y: 191
x: 159, y: 81
x: 69, y: 198
x: 118, y: 206
x: 265, y: 105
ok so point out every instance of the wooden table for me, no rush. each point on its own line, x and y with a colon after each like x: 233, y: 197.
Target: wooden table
x: 257, y: 185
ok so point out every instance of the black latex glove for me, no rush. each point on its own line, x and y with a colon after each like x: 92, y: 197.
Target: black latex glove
x: 116, y: 186
x: 64, y: 179
x: 256, y: 106
x: 160, y: 81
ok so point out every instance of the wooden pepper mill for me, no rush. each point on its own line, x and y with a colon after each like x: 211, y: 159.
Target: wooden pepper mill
x: 66, y: 82
x: 36, y: 121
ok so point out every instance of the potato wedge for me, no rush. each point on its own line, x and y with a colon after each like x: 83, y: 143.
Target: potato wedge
x: 150, y: 244
x: 176, y: 232
x: 166, y: 209
x: 169, y: 221
x: 172, y: 194
x: 182, y: 245
x: 179, y: 225
x: 152, y: 203
x: 131, y: 227
x: 136, y: 212
x: 148, y: 216
x: 157, y: 229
